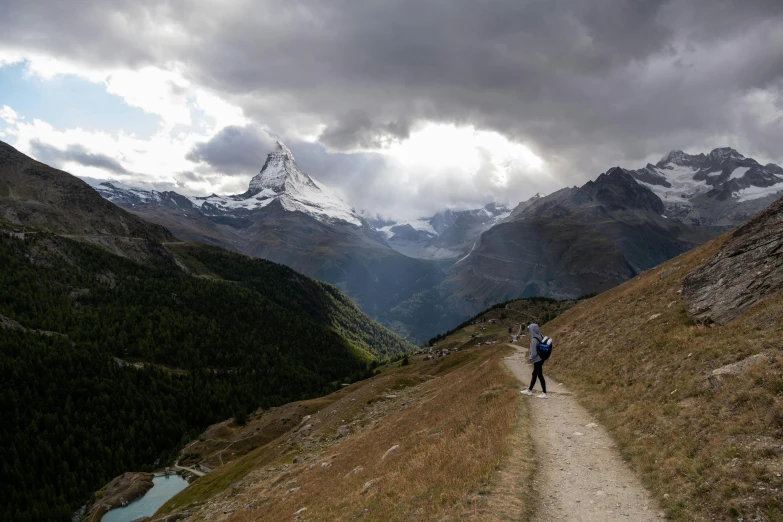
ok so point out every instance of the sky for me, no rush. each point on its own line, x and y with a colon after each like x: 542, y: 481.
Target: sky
x: 406, y: 107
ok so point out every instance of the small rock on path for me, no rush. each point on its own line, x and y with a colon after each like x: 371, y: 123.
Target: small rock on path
x: 581, y: 476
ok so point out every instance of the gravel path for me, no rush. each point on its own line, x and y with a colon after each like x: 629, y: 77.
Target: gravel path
x: 581, y: 476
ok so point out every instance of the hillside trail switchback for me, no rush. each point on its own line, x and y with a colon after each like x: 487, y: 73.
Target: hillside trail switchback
x: 580, y: 475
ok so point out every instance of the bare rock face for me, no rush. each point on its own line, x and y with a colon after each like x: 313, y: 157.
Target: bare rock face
x: 748, y: 267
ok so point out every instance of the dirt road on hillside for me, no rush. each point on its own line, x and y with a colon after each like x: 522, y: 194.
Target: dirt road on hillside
x: 581, y: 476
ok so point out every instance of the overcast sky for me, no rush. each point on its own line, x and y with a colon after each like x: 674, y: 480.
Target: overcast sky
x: 406, y: 106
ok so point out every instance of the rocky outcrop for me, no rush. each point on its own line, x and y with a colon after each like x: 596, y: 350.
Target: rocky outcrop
x: 747, y: 268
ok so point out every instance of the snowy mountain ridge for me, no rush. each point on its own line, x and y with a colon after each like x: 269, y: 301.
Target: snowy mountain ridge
x: 679, y: 177
x: 280, y: 179
x: 436, y: 224
x: 722, y: 188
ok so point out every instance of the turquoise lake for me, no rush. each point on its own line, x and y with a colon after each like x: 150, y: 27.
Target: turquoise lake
x: 163, y: 488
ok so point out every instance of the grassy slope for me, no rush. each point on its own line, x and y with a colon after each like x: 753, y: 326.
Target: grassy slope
x: 452, y: 419
x: 641, y: 365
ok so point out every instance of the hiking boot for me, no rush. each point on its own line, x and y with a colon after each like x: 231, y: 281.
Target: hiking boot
x: 541, y: 395
x: 526, y: 392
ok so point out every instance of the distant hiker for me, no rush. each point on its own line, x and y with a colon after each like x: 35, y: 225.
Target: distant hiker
x: 537, y: 358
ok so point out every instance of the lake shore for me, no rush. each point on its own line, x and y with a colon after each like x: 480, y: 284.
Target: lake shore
x: 117, y: 492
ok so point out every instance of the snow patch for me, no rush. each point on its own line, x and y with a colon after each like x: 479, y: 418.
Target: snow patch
x: 683, y: 186
x: 739, y: 172
x: 751, y: 193
x: 386, y: 231
x: 423, y: 225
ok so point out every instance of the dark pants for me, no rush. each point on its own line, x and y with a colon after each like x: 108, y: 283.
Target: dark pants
x: 538, y: 372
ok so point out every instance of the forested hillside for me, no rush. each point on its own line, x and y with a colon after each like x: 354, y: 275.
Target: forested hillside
x: 108, y: 365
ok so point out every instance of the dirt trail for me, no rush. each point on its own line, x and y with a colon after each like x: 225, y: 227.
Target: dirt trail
x: 581, y: 476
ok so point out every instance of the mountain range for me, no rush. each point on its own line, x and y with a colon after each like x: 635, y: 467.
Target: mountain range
x: 424, y: 276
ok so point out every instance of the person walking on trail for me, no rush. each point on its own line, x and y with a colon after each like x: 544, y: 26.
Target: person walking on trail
x: 538, y: 362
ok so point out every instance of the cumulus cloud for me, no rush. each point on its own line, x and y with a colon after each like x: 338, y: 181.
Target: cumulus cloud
x: 582, y: 85
x: 8, y: 115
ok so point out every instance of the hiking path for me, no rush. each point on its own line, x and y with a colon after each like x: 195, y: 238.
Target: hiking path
x: 580, y: 475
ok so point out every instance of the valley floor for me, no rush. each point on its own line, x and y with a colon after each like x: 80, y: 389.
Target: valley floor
x: 580, y: 475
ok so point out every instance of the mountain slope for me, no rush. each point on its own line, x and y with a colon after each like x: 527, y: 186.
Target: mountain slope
x: 392, y: 447
x: 36, y: 195
x: 748, y: 267
x: 109, y: 364
x: 697, y: 411
x: 189, y: 350
x: 574, y: 242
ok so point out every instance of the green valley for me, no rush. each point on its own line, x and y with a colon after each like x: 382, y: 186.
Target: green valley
x: 109, y: 365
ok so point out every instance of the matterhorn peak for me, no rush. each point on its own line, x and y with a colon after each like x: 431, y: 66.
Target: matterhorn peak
x: 280, y: 172
x: 281, y: 149
x: 281, y: 180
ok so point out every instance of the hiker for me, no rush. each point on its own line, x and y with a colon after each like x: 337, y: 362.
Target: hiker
x: 538, y: 362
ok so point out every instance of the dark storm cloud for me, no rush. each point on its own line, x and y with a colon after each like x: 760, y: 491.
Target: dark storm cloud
x: 76, y: 153
x: 356, y: 129
x: 234, y: 150
x: 586, y: 84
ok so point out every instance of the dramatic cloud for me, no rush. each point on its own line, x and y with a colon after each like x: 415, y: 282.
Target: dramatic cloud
x: 234, y: 150
x: 51, y: 155
x: 582, y: 85
x: 356, y: 129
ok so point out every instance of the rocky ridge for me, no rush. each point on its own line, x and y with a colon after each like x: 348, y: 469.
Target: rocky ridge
x: 747, y: 268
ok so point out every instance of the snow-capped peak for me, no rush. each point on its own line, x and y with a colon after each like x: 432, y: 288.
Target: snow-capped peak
x: 280, y: 179
x: 279, y: 170
x: 680, y: 177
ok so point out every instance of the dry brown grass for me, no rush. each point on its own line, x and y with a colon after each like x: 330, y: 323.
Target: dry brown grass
x: 641, y: 366
x: 451, y: 419
x: 225, y: 441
